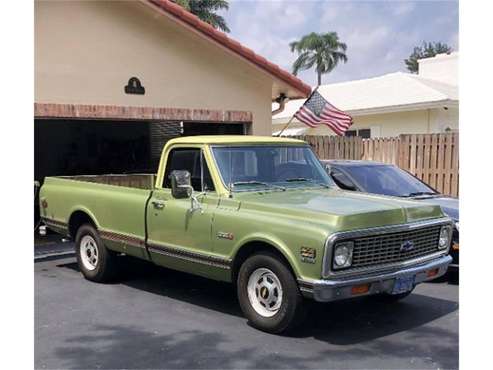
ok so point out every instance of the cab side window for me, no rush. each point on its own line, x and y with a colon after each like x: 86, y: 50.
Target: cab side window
x: 191, y: 160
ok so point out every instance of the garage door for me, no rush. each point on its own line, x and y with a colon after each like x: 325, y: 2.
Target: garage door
x: 74, y: 147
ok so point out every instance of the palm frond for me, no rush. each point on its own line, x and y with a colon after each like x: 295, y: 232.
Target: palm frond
x: 324, y: 51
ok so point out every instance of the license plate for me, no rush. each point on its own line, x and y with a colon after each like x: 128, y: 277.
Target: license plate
x: 403, y: 284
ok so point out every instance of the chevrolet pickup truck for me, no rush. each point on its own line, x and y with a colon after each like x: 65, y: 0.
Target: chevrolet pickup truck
x: 259, y: 212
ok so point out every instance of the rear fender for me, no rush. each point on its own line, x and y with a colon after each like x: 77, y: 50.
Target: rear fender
x: 87, y: 212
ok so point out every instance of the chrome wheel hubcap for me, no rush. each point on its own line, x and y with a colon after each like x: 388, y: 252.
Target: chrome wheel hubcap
x: 89, y: 252
x: 264, y: 292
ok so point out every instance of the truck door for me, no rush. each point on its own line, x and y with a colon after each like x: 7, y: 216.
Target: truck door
x: 178, y: 236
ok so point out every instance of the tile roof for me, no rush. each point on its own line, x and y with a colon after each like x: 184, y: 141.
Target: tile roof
x: 207, y: 30
x: 397, y: 91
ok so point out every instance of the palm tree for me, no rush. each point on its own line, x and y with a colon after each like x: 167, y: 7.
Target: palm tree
x: 324, y: 51
x: 206, y: 11
x: 428, y: 50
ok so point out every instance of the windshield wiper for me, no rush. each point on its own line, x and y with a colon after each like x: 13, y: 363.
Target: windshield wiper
x: 258, y: 183
x: 418, y: 193
x: 303, y: 179
x: 297, y: 179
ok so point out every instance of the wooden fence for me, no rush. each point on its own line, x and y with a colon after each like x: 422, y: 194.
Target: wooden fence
x: 433, y: 158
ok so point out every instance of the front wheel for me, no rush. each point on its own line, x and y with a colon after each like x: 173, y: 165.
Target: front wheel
x: 95, y: 261
x: 268, y: 294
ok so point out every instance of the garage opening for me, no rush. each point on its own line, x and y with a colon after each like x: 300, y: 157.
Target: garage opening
x: 94, y: 147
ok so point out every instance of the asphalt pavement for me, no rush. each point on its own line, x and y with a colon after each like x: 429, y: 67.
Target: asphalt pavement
x: 158, y: 318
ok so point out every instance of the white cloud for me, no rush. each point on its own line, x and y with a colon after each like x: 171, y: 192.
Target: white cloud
x: 379, y: 34
x: 403, y: 8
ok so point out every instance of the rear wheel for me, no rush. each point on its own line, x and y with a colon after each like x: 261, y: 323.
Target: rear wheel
x: 268, y: 294
x: 95, y: 261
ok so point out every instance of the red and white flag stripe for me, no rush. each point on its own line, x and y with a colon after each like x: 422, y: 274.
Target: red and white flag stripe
x: 327, y: 115
x: 338, y: 124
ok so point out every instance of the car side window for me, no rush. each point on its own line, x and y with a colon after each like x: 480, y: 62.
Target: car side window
x: 342, y: 180
x: 193, y: 161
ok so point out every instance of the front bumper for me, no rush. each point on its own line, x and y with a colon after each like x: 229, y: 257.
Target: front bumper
x: 333, y: 290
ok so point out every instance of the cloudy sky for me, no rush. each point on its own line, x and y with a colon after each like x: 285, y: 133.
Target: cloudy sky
x: 379, y: 34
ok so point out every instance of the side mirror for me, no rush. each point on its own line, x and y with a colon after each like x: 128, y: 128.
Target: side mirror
x: 342, y: 181
x: 181, y: 184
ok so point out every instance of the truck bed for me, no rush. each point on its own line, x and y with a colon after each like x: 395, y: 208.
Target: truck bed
x: 115, y: 203
x: 138, y: 181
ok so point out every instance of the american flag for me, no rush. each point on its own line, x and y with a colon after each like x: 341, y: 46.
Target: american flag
x: 317, y: 110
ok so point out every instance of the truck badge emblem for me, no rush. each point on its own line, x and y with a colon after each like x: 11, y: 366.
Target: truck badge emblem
x: 407, y: 246
x: 223, y: 235
x: 308, y: 255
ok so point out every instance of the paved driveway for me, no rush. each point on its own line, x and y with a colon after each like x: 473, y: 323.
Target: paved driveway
x: 157, y: 318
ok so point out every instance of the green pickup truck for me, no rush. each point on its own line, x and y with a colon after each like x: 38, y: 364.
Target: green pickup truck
x: 260, y: 212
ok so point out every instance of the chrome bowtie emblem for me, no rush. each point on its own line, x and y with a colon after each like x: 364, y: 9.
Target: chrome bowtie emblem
x: 407, y: 246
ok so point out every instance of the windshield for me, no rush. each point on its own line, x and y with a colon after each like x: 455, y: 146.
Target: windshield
x: 388, y: 180
x: 276, y: 167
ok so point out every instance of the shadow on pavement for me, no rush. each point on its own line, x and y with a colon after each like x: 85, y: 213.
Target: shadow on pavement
x: 145, y: 276
x: 116, y: 347
x: 361, y: 320
x: 339, y: 323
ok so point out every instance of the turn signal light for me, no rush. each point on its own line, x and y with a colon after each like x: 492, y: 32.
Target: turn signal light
x: 360, y: 289
x: 432, y: 273
x: 455, y: 246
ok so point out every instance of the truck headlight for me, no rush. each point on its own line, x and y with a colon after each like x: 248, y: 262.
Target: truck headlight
x: 445, y: 236
x: 343, y: 255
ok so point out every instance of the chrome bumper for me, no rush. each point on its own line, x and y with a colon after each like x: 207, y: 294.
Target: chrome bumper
x: 333, y: 290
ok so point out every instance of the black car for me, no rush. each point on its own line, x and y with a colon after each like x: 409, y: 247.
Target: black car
x: 387, y: 179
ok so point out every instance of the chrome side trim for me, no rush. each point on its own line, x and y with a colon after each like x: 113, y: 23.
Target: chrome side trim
x: 54, y: 223
x: 111, y: 236
x: 333, y: 238
x: 188, y: 256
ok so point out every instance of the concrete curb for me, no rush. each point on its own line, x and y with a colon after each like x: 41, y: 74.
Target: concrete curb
x: 53, y: 256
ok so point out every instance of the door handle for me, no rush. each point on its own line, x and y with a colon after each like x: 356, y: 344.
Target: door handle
x: 158, y: 204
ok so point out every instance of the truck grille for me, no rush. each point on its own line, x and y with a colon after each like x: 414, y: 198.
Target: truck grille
x: 386, y: 249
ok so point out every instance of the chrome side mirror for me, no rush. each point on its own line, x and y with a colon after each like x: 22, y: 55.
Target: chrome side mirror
x: 181, y: 185
x: 181, y: 188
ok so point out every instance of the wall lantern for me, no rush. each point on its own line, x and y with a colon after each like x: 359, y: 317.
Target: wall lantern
x: 134, y: 87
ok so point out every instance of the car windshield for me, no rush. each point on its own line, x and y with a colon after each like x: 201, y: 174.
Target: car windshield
x: 274, y: 167
x: 388, y: 180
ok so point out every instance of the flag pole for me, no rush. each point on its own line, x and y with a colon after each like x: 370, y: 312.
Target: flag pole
x: 285, y: 127
x: 291, y: 119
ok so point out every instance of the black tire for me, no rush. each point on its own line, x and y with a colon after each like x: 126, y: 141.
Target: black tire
x: 105, y: 269
x: 291, y: 311
x: 391, y: 298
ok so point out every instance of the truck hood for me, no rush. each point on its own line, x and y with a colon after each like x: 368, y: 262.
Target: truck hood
x: 450, y: 206
x: 340, y: 209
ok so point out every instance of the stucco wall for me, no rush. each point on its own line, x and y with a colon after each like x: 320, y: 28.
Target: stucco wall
x: 393, y: 124
x: 442, y: 68
x: 85, y: 52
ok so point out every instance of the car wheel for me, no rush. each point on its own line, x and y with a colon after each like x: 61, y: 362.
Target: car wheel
x: 268, y: 294
x: 95, y: 261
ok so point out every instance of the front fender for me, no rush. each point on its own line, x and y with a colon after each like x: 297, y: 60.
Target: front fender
x: 273, y: 241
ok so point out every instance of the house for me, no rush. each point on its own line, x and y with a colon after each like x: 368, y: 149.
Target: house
x: 392, y: 104
x: 114, y: 80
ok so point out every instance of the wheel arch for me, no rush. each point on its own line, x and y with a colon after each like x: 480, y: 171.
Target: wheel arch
x: 79, y: 217
x: 255, y: 245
